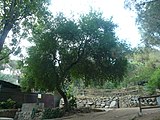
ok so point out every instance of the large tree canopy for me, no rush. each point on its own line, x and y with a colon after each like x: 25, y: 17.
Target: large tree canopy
x: 86, y: 48
x: 14, y: 12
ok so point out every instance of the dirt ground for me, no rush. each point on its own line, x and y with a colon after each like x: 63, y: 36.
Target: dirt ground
x: 117, y: 114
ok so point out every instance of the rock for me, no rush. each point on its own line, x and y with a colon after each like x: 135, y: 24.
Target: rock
x: 103, y: 105
x: 90, y: 103
x: 87, y: 106
x: 98, y: 103
x: 158, y: 100
x: 80, y: 105
x: 113, y: 104
x: 84, y: 101
x: 106, y: 106
x: 152, y: 103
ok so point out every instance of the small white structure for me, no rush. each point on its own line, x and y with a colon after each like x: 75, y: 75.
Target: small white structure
x: 61, y: 103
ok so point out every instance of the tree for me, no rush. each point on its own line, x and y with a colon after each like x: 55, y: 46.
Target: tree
x: 86, y: 48
x: 154, y: 82
x: 13, y: 71
x: 148, y: 19
x: 14, y: 12
x: 143, y: 63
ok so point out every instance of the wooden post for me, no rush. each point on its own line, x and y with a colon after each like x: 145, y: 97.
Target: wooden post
x: 118, y: 103
x: 139, y: 99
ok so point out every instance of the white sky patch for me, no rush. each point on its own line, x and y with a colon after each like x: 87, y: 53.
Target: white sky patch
x: 125, y: 19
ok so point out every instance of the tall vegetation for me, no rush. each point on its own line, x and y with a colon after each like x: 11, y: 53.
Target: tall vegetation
x: 69, y: 49
x: 148, y: 19
x: 143, y: 64
x: 17, y: 17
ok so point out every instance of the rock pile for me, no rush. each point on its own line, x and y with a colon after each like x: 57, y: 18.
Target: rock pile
x: 28, y: 112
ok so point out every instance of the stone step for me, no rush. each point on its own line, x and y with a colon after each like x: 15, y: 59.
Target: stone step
x: 4, y: 118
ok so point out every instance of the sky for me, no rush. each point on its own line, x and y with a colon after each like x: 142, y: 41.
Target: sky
x: 125, y: 19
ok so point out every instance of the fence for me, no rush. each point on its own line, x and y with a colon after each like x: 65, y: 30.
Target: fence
x: 148, y: 107
x: 49, y: 100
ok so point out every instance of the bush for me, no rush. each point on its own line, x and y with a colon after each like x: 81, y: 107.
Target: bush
x: 72, y: 102
x: 109, y: 85
x: 9, y: 104
x: 154, y: 82
x: 50, y: 113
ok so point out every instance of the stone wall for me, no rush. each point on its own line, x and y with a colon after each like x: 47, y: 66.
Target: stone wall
x: 97, y: 102
x: 100, y: 98
x: 114, y: 102
x: 111, y: 99
x: 10, y: 113
x: 101, y: 102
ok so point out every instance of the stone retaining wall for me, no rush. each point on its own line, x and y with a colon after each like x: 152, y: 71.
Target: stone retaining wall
x: 114, y: 102
x: 111, y: 99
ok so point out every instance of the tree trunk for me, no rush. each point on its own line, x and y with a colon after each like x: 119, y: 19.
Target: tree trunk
x: 4, y: 34
x: 64, y: 96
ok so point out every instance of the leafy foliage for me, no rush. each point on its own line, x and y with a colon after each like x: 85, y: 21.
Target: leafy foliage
x: 154, y: 82
x: 50, y: 113
x: 8, y: 77
x: 84, y: 49
x: 149, y: 24
x: 17, y: 17
x: 9, y: 104
x: 148, y: 19
x: 143, y: 62
x: 13, y: 71
x: 109, y: 85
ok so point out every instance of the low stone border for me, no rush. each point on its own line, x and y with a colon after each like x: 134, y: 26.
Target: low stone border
x: 10, y: 113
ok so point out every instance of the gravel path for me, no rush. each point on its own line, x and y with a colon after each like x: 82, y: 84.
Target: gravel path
x: 117, y: 114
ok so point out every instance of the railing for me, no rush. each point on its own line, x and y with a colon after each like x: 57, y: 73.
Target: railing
x: 148, y: 106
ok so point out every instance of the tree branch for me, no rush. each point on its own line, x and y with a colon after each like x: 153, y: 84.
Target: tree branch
x: 142, y: 3
x: 12, y: 51
x: 8, y: 23
x: 80, y: 54
x: 6, y: 56
x: 4, y: 7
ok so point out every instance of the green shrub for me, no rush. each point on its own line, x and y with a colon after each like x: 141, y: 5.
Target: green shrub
x: 72, y: 102
x: 109, y: 85
x: 9, y: 104
x: 50, y: 113
x: 154, y: 82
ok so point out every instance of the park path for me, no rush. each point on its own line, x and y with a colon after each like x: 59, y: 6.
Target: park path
x: 117, y: 114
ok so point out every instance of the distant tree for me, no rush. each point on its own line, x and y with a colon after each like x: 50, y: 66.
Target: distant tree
x: 142, y: 64
x: 154, y: 82
x: 148, y: 19
x: 10, y: 71
x: 86, y: 48
x: 17, y: 13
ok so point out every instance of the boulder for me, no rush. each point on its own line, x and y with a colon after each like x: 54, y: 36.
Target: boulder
x: 113, y: 104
